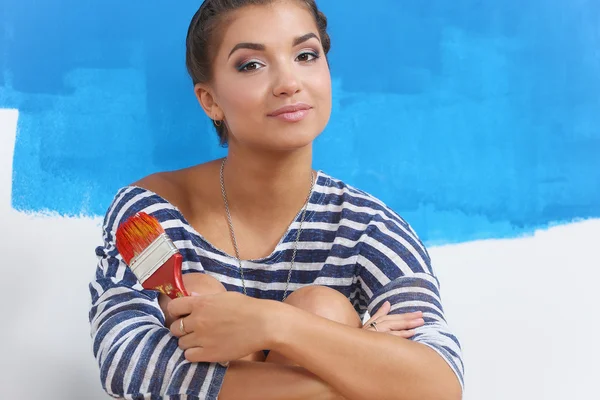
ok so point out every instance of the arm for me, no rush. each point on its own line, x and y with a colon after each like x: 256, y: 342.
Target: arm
x: 394, y: 266
x: 247, y: 380
x: 362, y: 364
x: 272, y: 381
x: 219, y: 325
x: 137, y: 355
x: 250, y: 377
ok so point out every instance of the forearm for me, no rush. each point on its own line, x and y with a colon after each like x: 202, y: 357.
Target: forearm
x: 246, y: 380
x: 362, y: 364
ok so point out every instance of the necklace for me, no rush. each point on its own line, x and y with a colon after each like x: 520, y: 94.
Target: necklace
x: 232, y: 234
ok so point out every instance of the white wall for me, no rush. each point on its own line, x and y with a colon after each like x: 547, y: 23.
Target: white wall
x: 47, y: 264
x: 525, y: 309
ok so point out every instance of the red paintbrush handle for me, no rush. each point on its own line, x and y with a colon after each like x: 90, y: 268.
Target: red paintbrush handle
x: 167, y: 279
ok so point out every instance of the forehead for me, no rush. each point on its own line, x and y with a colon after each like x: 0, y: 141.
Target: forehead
x: 274, y: 23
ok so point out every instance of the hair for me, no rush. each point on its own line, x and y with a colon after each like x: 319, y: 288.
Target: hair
x: 206, y: 29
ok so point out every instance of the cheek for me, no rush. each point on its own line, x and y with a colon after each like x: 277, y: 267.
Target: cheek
x: 322, y: 89
x: 240, y: 99
x: 243, y: 104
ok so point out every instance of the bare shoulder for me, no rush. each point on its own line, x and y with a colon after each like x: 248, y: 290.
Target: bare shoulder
x: 182, y: 188
x: 165, y: 184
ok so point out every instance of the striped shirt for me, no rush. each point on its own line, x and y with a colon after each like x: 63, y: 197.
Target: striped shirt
x: 350, y: 242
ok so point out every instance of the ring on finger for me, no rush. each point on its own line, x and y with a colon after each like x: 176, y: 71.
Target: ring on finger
x: 182, y: 327
x: 374, y: 326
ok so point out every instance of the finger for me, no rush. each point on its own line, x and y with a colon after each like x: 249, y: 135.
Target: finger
x: 399, y: 321
x: 188, y: 341
x: 399, y: 317
x: 397, y: 325
x: 177, y: 325
x: 195, y: 354
x: 181, y: 306
x: 163, y: 302
x: 404, y: 334
x: 383, y: 310
x: 411, y: 315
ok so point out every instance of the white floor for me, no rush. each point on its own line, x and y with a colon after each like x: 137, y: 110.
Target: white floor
x: 526, y: 309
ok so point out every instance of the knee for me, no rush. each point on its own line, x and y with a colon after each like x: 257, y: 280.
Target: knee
x: 325, y: 302
x: 202, y: 284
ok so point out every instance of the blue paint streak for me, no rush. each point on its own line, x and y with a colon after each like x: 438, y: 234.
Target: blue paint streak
x: 473, y: 119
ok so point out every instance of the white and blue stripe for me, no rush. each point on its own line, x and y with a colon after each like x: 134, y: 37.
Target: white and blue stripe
x: 350, y: 242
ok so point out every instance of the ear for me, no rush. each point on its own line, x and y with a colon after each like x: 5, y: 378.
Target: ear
x: 208, y: 103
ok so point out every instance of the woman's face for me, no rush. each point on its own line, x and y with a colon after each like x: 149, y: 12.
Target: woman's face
x: 271, y: 58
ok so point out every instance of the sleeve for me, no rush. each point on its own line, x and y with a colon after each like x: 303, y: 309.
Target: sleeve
x: 139, y: 357
x: 395, y: 266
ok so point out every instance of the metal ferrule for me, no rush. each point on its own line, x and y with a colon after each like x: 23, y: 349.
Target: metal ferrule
x: 153, y: 257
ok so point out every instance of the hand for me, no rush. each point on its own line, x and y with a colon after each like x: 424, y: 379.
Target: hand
x: 219, y: 327
x: 397, y: 324
x: 163, y: 302
x: 199, y: 283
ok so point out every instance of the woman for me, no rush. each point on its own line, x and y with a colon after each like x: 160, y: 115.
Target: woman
x: 260, y: 73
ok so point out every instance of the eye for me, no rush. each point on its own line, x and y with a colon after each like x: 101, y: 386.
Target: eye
x: 308, y: 56
x: 250, y: 66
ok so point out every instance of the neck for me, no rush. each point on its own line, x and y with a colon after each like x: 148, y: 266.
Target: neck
x: 267, y: 185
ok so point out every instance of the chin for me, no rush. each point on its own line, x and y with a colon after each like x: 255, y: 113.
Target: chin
x: 290, y: 143
x: 282, y: 136
x: 294, y: 137
x: 286, y: 141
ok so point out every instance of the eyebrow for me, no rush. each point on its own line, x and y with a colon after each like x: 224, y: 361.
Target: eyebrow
x: 304, y: 38
x: 262, y: 47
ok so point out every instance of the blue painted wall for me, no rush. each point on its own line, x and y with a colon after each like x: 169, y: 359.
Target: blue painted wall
x: 473, y: 119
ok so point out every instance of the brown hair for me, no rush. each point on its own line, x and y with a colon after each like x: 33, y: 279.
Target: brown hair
x: 203, y: 31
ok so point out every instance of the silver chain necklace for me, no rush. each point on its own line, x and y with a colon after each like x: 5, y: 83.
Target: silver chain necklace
x: 232, y: 234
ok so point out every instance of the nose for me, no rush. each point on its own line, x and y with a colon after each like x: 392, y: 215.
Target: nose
x: 286, y: 82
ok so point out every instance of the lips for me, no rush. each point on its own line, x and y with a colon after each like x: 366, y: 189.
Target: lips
x: 291, y: 109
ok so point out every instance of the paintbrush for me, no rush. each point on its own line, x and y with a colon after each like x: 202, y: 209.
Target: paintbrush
x: 151, y: 255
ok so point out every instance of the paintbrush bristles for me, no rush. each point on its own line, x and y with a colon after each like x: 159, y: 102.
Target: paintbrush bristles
x: 136, y: 234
